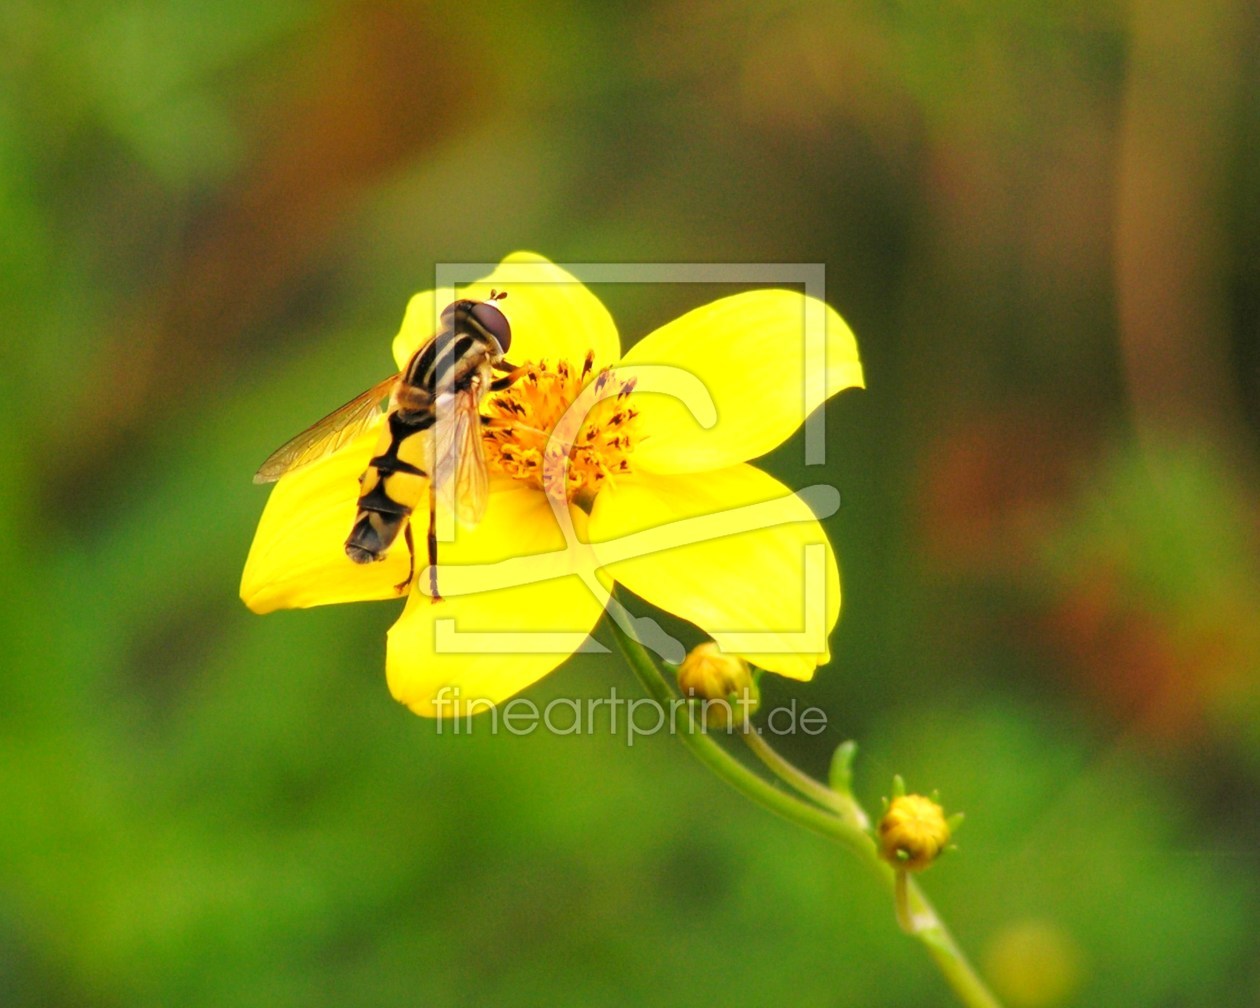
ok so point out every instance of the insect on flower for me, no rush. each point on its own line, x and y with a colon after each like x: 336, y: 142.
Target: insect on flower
x: 431, y: 439
x: 604, y: 466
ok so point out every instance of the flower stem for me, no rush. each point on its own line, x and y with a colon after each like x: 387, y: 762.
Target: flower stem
x: 726, y: 766
x: 816, y: 791
x: 819, y: 809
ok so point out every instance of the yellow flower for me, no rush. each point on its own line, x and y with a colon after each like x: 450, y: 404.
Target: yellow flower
x: 653, y: 491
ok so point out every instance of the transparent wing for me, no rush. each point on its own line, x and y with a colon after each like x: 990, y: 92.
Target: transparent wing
x: 460, y: 478
x: 327, y: 435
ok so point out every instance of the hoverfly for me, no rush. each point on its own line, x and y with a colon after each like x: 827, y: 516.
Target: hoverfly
x: 432, y: 434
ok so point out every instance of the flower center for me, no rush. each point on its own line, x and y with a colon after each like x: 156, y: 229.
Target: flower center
x: 531, y: 427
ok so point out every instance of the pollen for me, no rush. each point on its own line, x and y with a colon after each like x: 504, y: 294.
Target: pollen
x: 529, y: 427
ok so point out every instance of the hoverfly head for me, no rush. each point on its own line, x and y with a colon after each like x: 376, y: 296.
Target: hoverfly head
x: 488, y: 317
x: 482, y: 318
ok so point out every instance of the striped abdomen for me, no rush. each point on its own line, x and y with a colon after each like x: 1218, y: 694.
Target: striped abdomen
x: 396, y: 480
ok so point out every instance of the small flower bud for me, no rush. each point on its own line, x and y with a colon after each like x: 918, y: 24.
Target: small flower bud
x: 913, y: 832
x: 723, y: 682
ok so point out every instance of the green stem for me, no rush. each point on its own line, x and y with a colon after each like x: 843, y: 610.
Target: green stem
x: 827, y: 812
x: 944, y: 949
x: 727, y: 766
x: 816, y: 791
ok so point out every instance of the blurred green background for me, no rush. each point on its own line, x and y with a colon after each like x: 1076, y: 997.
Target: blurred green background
x: 1042, y: 221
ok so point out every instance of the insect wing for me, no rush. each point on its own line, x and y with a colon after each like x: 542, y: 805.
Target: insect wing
x: 460, y: 477
x: 325, y: 436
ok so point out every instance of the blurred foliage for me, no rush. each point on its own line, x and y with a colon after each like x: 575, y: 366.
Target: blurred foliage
x: 1041, y: 220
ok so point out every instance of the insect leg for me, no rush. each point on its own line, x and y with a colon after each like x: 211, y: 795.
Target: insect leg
x: 401, y: 588
x: 433, y: 584
x: 499, y: 384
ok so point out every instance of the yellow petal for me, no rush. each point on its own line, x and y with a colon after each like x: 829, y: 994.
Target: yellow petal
x: 750, y: 565
x: 298, y: 556
x: 552, y: 313
x: 768, y: 359
x: 420, y: 321
x: 469, y: 651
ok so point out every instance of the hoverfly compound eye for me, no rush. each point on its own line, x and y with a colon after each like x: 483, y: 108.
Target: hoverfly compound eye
x: 494, y: 322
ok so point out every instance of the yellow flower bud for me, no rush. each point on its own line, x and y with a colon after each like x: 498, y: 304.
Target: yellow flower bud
x: 913, y: 832
x: 723, y: 682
